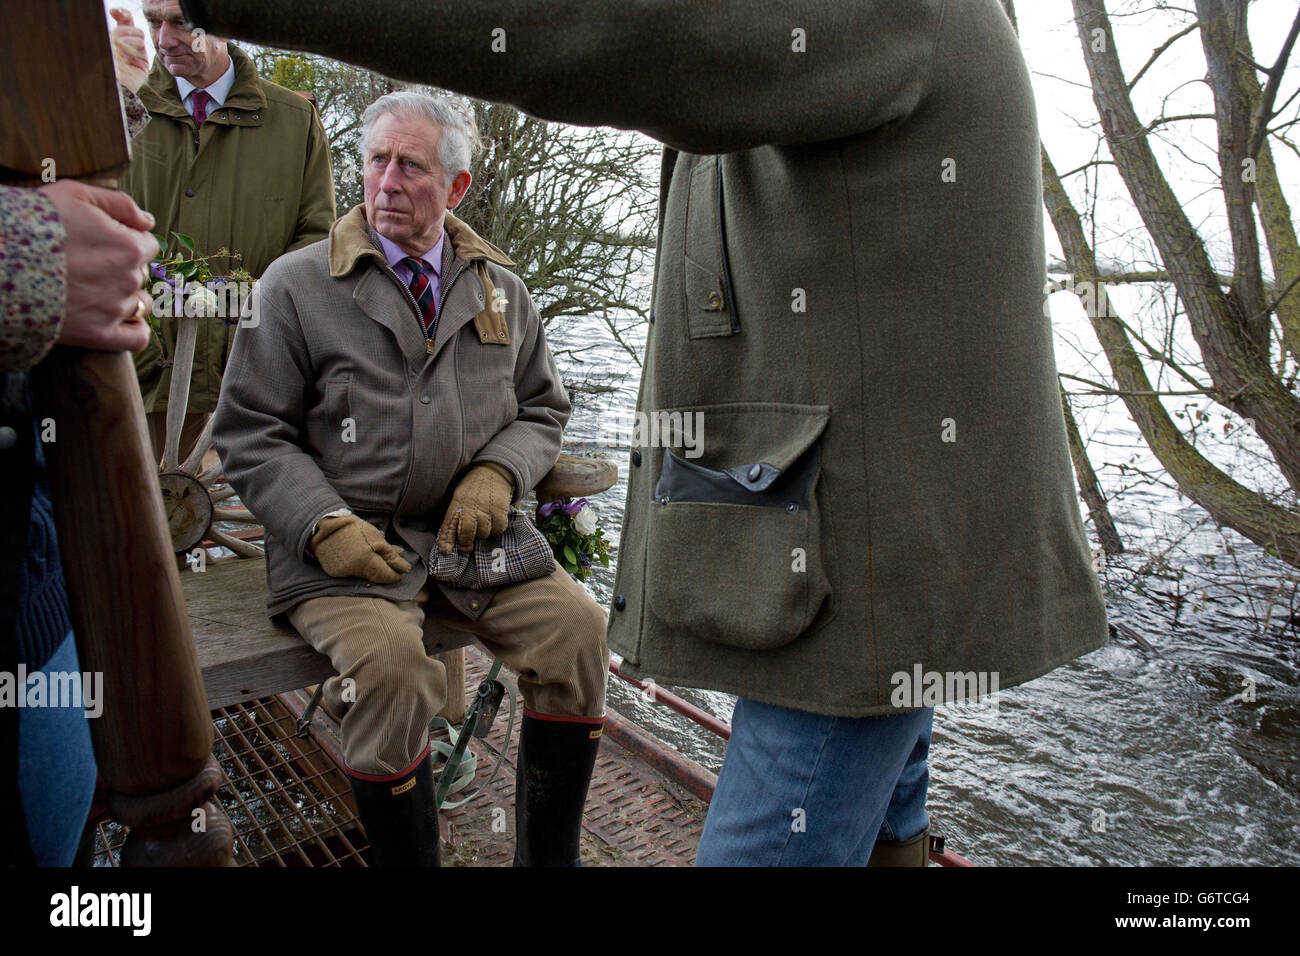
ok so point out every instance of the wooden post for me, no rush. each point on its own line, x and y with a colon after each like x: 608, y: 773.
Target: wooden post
x: 59, y: 110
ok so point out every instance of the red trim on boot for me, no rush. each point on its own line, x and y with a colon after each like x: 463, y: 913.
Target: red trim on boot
x: 388, y: 777
x: 563, y: 718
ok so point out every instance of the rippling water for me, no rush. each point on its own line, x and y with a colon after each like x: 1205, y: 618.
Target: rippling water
x: 1131, y: 755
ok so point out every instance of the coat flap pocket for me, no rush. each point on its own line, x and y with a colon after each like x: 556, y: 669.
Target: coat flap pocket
x: 682, y: 481
x: 745, y: 447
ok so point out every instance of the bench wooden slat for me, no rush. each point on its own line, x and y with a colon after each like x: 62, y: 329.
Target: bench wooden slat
x: 242, y: 654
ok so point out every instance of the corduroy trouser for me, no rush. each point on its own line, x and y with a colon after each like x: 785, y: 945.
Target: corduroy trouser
x: 548, y: 631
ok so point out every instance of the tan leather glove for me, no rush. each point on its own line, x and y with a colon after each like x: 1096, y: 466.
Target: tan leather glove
x: 348, y: 547
x: 479, y: 507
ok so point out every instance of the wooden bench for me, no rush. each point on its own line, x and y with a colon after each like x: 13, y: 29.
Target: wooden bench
x: 242, y: 654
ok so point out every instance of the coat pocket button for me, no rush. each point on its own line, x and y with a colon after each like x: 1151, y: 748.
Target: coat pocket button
x: 619, y: 602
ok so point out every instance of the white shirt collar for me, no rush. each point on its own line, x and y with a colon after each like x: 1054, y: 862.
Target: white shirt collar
x: 218, y: 90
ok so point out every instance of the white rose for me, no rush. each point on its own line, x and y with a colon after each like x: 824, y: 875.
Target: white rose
x: 584, y: 522
x: 201, y: 301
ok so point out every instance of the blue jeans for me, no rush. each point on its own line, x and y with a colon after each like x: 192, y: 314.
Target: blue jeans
x: 56, y: 770
x: 804, y: 789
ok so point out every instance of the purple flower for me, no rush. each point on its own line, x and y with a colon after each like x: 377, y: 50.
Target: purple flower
x: 547, y: 509
x: 586, y: 561
x: 573, y: 507
x: 157, y: 271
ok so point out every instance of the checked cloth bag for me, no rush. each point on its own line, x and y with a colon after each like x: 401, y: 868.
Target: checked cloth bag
x: 520, y: 553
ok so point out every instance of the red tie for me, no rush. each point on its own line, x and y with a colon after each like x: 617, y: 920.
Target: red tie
x: 200, y: 100
x: 422, y: 290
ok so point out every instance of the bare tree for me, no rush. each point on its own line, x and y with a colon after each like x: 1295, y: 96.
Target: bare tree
x: 1243, y: 321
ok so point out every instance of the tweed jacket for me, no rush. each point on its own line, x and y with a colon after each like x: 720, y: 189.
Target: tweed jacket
x: 254, y: 180
x: 332, y: 400
x: 849, y: 299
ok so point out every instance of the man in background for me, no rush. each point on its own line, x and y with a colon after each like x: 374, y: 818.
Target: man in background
x: 232, y: 160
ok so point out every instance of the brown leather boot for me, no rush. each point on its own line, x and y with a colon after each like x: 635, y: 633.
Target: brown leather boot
x: 913, y: 852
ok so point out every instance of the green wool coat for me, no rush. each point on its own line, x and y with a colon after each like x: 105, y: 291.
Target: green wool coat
x: 849, y: 293
x: 258, y: 184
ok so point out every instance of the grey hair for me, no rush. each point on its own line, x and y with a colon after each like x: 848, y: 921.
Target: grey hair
x: 459, y: 139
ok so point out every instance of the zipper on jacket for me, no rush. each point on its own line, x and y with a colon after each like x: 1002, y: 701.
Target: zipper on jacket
x: 726, y: 263
x: 415, y: 306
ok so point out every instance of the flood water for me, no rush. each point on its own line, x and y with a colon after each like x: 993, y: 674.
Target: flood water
x: 1182, y: 752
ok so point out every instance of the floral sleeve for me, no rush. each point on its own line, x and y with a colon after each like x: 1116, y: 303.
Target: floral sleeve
x: 32, y: 265
x: 32, y: 276
x: 137, y: 116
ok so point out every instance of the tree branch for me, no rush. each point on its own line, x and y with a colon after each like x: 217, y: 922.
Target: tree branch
x: 1263, y: 112
x: 1158, y: 51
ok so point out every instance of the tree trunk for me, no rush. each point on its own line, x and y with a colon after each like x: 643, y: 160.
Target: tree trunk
x: 1228, y: 502
x: 1089, y: 486
x: 1243, y: 378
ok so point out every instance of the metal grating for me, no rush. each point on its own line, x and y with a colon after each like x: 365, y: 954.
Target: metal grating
x: 291, y: 804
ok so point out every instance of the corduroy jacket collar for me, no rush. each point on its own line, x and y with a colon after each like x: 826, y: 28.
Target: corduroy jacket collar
x: 350, y: 242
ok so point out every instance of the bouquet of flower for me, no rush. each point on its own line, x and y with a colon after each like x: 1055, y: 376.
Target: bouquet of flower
x: 183, y: 284
x: 576, y: 539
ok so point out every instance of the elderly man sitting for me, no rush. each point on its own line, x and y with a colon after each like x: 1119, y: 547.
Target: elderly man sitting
x: 397, y: 392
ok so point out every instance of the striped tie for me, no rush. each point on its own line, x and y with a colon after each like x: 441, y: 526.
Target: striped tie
x: 422, y: 289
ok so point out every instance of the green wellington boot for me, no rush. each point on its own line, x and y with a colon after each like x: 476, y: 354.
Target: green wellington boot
x: 553, y: 770
x: 399, y: 814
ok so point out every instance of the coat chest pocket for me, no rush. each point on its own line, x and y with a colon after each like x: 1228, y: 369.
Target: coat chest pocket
x: 710, y: 299
x: 735, y: 552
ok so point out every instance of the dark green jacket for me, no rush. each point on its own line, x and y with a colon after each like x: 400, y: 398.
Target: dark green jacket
x: 849, y: 289
x: 258, y: 184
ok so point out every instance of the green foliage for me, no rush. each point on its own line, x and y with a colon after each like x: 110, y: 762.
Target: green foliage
x: 295, y: 72
x: 577, y: 553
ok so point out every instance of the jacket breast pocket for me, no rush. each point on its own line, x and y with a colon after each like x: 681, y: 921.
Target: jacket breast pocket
x: 710, y: 299
x: 737, y: 551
